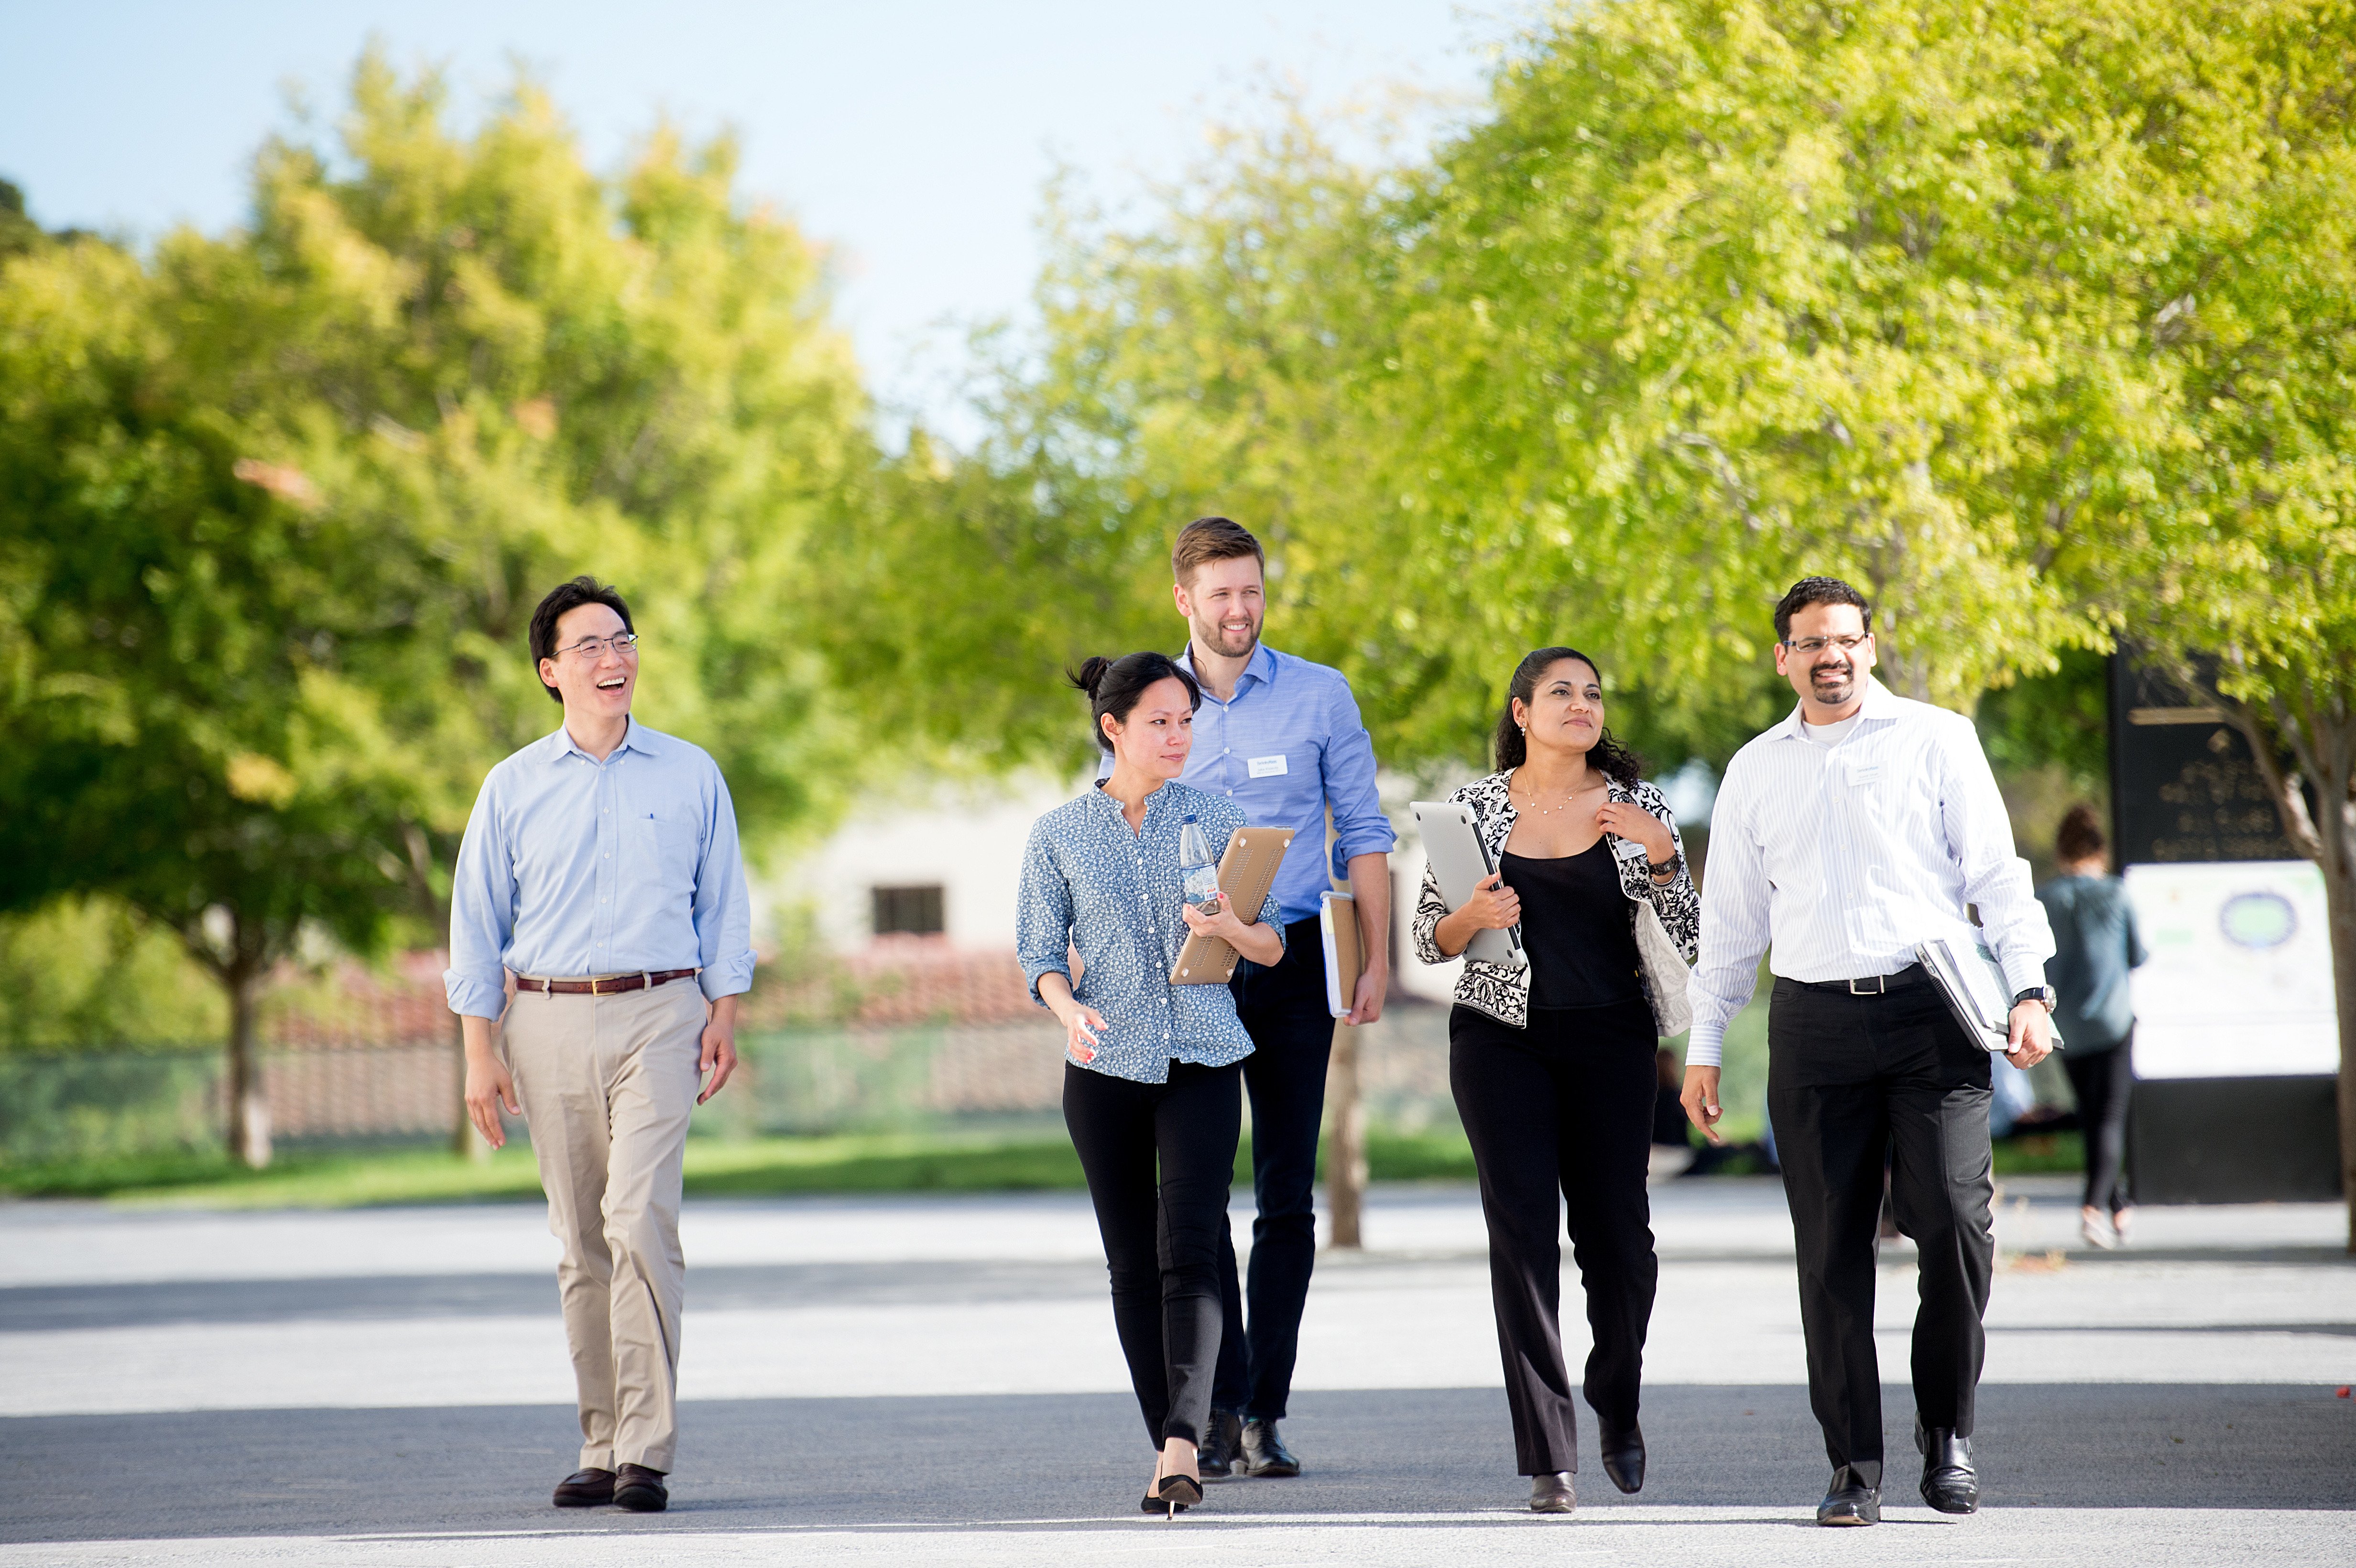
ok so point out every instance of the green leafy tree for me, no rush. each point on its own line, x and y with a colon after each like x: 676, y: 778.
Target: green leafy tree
x: 351, y: 445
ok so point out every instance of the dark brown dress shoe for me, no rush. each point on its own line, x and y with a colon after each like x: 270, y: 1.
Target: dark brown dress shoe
x: 639, y: 1489
x: 1950, y: 1483
x: 1265, y: 1453
x: 1851, y: 1499
x: 1623, y: 1454
x: 586, y: 1488
x: 1553, y: 1494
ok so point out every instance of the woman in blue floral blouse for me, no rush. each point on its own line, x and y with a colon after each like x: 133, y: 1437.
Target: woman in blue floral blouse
x: 1152, y: 1079
x: 1553, y: 1065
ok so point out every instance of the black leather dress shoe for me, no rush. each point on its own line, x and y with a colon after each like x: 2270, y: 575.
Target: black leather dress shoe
x: 1553, y: 1494
x: 1623, y: 1454
x: 639, y: 1489
x: 1265, y: 1453
x: 1850, y: 1501
x: 1222, y: 1445
x: 1949, y: 1482
x: 586, y: 1488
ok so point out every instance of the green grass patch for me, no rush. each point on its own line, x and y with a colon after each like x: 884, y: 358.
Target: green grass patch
x: 2033, y: 1154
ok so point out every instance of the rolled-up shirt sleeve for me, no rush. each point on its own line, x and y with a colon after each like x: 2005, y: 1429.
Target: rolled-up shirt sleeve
x: 482, y: 912
x: 723, y: 908
x: 1042, y: 915
x: 1359, y: 825
x: 1734, y: 927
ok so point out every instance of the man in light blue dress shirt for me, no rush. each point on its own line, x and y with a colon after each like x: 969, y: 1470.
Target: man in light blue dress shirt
x: 1281, y: 738
x: 601, y: 868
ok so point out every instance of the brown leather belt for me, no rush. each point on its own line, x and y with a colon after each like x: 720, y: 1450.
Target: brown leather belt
x: 612, y: 986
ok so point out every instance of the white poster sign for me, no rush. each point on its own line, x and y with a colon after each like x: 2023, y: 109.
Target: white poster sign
x: 2239, y: 984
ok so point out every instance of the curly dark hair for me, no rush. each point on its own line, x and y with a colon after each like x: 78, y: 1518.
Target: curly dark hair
x: 1608, y: 757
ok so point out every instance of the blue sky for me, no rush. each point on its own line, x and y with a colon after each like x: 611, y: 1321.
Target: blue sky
x: 912, y: 136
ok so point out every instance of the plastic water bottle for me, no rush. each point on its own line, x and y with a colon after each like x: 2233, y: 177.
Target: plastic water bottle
x: 1198, y: 877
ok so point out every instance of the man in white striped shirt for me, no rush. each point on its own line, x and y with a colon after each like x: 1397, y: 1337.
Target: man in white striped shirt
x: 1860, y: 826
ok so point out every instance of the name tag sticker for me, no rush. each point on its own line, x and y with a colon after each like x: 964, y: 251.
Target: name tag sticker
x: 1628, y: 849
x: 1267, y: 767
x: 1864, y: 773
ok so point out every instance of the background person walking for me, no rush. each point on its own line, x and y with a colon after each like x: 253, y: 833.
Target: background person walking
x: 1861, y: 825
x: 1553, y: 1066
x: 2096, y: 945
x: 1149, y: 1068
x: 601, y: 868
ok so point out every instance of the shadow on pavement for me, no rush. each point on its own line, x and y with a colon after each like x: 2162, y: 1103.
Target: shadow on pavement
x: 1048, y: 1459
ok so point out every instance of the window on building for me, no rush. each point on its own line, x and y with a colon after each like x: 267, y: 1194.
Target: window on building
x: 909, y: 912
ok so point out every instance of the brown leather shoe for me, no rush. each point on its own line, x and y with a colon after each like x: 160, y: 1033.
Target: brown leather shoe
x: 639, y: 1489
x: 586, y: 1488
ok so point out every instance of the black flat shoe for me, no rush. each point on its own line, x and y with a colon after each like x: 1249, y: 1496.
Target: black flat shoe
x: 1553, y: 1494
x: 1850, y: 1501
x: 1222, y: 1447
x: 1949, y: 1482
x: 1265, y: 1453
x: 586, y: 1488
x: 640, y: 1490
x: 1623, y: 1454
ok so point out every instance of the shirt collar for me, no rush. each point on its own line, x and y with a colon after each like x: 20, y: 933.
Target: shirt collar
x: 636, y: 737
x: 1262, y: 667
x: 1875, y: 705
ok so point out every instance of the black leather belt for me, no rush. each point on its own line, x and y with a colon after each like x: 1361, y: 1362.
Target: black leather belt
x: 1870, y: 985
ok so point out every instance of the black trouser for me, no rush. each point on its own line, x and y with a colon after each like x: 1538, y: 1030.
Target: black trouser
x: 1562, y: 1107
x: 1851, y: 1080
x: 2103, y: 1081
x: 1283, y: 1007
x: 1159, y: 1159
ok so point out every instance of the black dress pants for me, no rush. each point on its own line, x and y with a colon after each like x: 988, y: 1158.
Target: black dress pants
x: 1851, y: 1081
x: 1159, y: 1159
x: 1562, y: 1112
x: 2104, y: 1082
x: 1283, y: 1009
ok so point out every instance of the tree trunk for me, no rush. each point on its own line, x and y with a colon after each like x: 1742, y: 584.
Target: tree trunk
x: 2340, y: 901
x: 1346, y: 1154
x: 2321, y: 736
x: 248, y: 1108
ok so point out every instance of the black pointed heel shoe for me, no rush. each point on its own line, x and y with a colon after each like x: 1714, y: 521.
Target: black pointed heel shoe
x: 1175, y: 1493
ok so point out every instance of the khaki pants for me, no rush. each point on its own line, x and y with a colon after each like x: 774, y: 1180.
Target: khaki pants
x: 606, y: 1084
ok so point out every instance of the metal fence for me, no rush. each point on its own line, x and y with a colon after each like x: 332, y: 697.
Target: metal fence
x: 100, y: 1104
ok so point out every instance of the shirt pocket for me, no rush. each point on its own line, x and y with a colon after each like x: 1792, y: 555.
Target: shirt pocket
x: 660, y: 854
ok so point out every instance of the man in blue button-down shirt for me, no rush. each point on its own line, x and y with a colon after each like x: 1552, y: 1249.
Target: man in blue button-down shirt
x: 601, y: 868
x: 1282, y: 739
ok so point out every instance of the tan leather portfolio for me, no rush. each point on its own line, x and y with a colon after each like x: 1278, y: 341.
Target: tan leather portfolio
x: 1337, y: 923
x: 1246, y: 872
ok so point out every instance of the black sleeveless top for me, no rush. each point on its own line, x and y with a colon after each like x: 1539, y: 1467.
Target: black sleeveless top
x: 1576, y: 929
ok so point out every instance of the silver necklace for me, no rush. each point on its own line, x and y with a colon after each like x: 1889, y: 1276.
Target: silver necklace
x: 1564, y: 805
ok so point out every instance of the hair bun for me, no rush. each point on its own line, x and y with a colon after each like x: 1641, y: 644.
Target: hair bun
x: 1089, y: 677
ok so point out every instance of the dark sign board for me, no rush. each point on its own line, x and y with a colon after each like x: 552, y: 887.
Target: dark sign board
x: 2183, y: 786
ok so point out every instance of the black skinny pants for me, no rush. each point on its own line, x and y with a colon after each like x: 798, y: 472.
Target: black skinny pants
x: 1283, y: 1009
x: 2104, y: 1082
x: 1159, y: 1159
x: 1562, y: 1112
x: 1852, y: 1081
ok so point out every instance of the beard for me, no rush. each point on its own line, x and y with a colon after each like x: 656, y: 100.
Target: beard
x: 1212, y: 638
x: 1833, y: 684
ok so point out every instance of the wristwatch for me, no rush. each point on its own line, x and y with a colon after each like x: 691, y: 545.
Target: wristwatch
x: 2043, y: 994
x: 1667, y: 868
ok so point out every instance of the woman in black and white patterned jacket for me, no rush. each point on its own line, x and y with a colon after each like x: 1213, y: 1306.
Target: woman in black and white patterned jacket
x: 1552, y: 1065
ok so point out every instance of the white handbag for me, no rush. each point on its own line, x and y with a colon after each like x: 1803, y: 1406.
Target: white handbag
x: 1664, y: 971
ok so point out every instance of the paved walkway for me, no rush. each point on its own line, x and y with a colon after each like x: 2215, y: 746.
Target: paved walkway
x: 935, y: 1379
